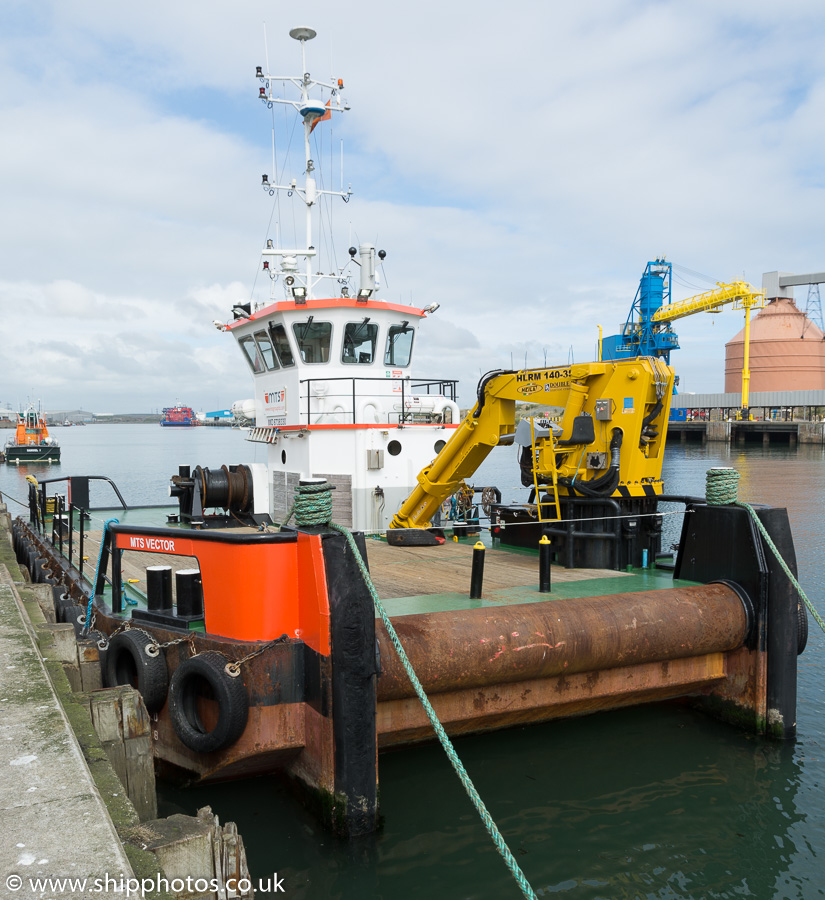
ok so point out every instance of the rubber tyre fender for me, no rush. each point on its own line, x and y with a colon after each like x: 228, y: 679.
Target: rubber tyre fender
x: 801, y: 627
x: 128, y: 663
x: 229, y: 693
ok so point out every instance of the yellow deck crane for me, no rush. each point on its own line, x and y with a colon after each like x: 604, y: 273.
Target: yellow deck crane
x: 742, y: 295
x: 603, y: 459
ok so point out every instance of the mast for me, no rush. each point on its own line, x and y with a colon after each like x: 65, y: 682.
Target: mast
x: 312, y: 111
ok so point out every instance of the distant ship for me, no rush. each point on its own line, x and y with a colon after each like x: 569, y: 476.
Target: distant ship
x: 179, y: 416
x: 31, y: 442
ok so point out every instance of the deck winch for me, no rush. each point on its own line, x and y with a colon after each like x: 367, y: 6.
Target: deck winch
x: 230, y: 488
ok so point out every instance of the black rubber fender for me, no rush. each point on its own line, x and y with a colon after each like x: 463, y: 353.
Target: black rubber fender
x: 127, y: 662
x: 801, y: 627
x: 207, y: 670
x: 64, y: 606
x: 75, y: 615
x: 36, y: 570
x: 58, y: 592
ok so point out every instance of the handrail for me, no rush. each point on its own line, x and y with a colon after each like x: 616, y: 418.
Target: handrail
x: 447, y: 386
x: 44, y: 481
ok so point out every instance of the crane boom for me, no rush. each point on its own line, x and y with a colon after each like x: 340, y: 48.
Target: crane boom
x: 610, y: 440
x: 740, y: 293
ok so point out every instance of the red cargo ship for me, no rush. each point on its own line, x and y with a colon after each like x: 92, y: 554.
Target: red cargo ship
x: 180, y: 416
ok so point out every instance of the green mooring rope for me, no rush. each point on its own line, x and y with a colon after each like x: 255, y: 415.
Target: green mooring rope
x: 721, y: 487
x: 317, y: 503
x: 312, y: 504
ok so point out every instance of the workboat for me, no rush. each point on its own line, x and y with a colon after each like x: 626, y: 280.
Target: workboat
x: 179, y: 417
x: 31, y: 442
x: 274, y: 619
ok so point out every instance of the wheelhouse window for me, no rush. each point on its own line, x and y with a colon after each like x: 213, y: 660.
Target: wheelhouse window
x: 313, y: 340
x: 281, y: 343
x: 360, y: 339
x: 399, y: 345
x: 252, y: 353
x: 266, y: 349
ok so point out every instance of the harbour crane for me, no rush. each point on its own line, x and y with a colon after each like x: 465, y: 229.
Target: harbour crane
x: 648, y: 330
x: 742, y: 295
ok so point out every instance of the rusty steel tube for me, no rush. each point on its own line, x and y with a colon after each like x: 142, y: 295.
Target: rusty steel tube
x: 475, y: 647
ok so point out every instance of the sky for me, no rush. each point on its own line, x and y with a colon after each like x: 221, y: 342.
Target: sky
x: 519, y: 163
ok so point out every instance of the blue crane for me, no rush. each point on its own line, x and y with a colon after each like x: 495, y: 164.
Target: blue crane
x: 640, y: 335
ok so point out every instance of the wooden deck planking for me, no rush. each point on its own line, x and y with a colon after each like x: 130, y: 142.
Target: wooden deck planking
x: 424, y: 571
x: 395, y: 571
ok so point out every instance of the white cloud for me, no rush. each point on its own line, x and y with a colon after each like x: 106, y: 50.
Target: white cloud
x: 520, y: 165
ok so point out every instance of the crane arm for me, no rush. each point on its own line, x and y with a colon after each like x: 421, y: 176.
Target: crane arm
x: 607, y: 406
x: 740, y: 293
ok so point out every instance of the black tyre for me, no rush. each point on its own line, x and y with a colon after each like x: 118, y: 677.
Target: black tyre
x: 127, y: 662
x: 801, y: 627
x: 197, y: 684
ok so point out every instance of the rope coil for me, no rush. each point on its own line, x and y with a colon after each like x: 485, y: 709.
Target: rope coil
x: 721, y: 486
x: 312, y: 504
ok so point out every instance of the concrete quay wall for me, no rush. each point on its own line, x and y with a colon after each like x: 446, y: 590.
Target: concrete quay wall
x: 70, y: 765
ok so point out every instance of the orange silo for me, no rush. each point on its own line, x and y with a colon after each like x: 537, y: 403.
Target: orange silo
x: 787, y: 351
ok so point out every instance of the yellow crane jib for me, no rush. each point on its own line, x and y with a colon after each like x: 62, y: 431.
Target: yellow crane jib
x: 741, y: 294
x: 609, y: 440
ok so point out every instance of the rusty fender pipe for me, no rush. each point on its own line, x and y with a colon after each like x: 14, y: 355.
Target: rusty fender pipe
x: 495, y: 645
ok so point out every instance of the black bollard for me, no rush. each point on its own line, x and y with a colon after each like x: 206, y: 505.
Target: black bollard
x: 159, y: 587
x: 545, y: 553
x: 189, y: 592
x: 477, y: 574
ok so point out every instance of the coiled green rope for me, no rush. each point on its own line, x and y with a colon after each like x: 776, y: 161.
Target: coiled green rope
x: 721, y: 487
x: 312, y: 504
x: 322, y: 505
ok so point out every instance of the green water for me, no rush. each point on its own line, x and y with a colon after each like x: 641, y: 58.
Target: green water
x: 651, y: 802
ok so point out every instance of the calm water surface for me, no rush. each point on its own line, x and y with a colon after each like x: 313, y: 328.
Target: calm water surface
x: 652, y: 802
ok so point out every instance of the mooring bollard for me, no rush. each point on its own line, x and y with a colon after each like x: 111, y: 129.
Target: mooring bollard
x: 477, y: 574
x: 545, y: 552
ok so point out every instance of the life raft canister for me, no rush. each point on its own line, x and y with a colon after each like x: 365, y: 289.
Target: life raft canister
x: 191, y: 686
x: 127, y: 662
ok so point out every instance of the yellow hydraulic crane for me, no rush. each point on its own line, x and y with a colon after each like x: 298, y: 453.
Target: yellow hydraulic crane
x: 741, y: 294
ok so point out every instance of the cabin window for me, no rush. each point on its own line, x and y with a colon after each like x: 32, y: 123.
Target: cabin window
x: 267, y: 350
x: 313, y: 340
x: 399, y: 345
x: 360, y: 339
x: 281, y: 343
x: 253, y: 355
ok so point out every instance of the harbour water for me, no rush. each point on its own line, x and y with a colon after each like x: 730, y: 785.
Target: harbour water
x: 652, y: 802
